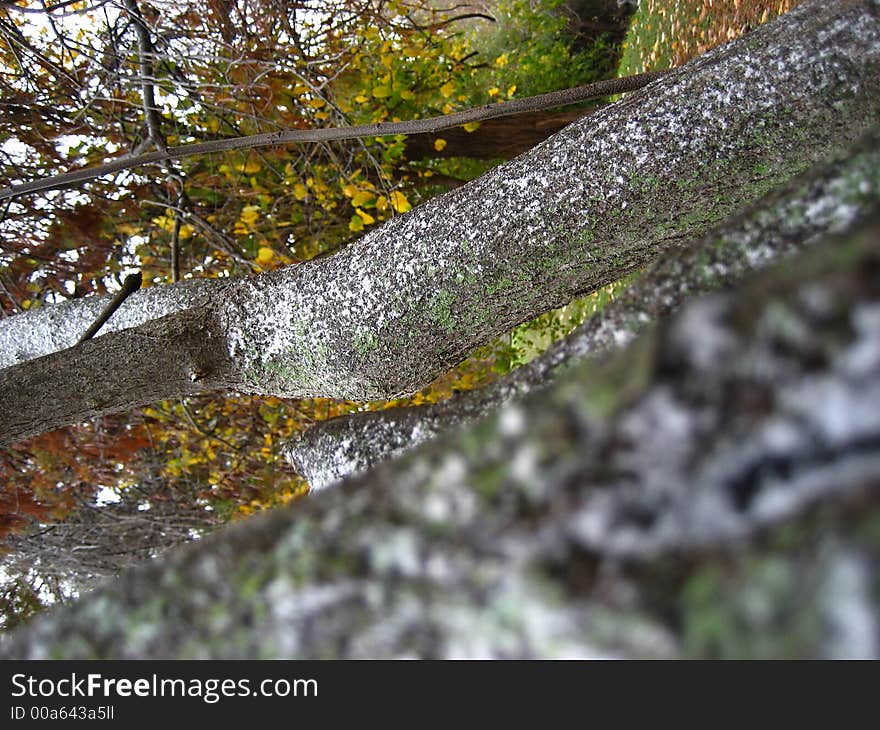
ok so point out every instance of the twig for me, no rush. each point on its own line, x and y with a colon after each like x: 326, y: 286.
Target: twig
x: 7, y: 290
x: 565, y: 97
x: 6, y: 5
x: 145, y: 56
x: 131, y: 284
x: 175, y: 249
x: 207, y: 434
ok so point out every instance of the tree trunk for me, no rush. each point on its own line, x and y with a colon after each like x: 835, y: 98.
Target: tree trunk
x: 835, y: 194
x: 709, y: 491
x: 593, y: 203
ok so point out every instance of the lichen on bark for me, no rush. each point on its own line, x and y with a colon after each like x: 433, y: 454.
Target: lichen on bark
x: 593, y: 203
x: 48, y: 329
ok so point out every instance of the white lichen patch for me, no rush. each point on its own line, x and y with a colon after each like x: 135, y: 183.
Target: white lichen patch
x: 511, y: 420
x: 864, y: 357
x: 701, y: 334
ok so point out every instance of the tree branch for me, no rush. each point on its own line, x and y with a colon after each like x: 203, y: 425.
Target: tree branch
x: 384, y: 129
x: 44, y: 330
x: 145, y: 54
x: 131, y: 284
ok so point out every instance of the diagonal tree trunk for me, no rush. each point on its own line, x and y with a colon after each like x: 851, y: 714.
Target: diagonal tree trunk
x: 836, y: 195
x: 591, y: 204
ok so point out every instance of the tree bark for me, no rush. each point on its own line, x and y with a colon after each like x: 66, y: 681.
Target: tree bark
x: 835, y: 195
x: 163, y: 358
x: 593, y: 203
x: 709, y: 491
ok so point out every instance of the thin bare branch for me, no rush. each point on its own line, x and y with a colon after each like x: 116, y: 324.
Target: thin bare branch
x: 384, y: 129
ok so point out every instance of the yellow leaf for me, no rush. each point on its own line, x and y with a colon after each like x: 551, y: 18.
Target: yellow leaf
x: 381, y: 92
x: 265, y: 256
x: 362, y: 197
x: 361, y: 99
x: 249, y: 167
x: 399, y: 202
x: 315, y: 103
x: 501, y: 61
x: 249, y: 214
x: 381, y: 203
x: 365, y: 217
x: 165, y: 222
x: 406, y: 95
x: 512, y: 90
x: 349, y: 191
x: 448, y: 89
x: 356, y: 224
x: 494, y: 91
x: 439, y: 144
x: 300, y: 192
x: 471, y: 126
